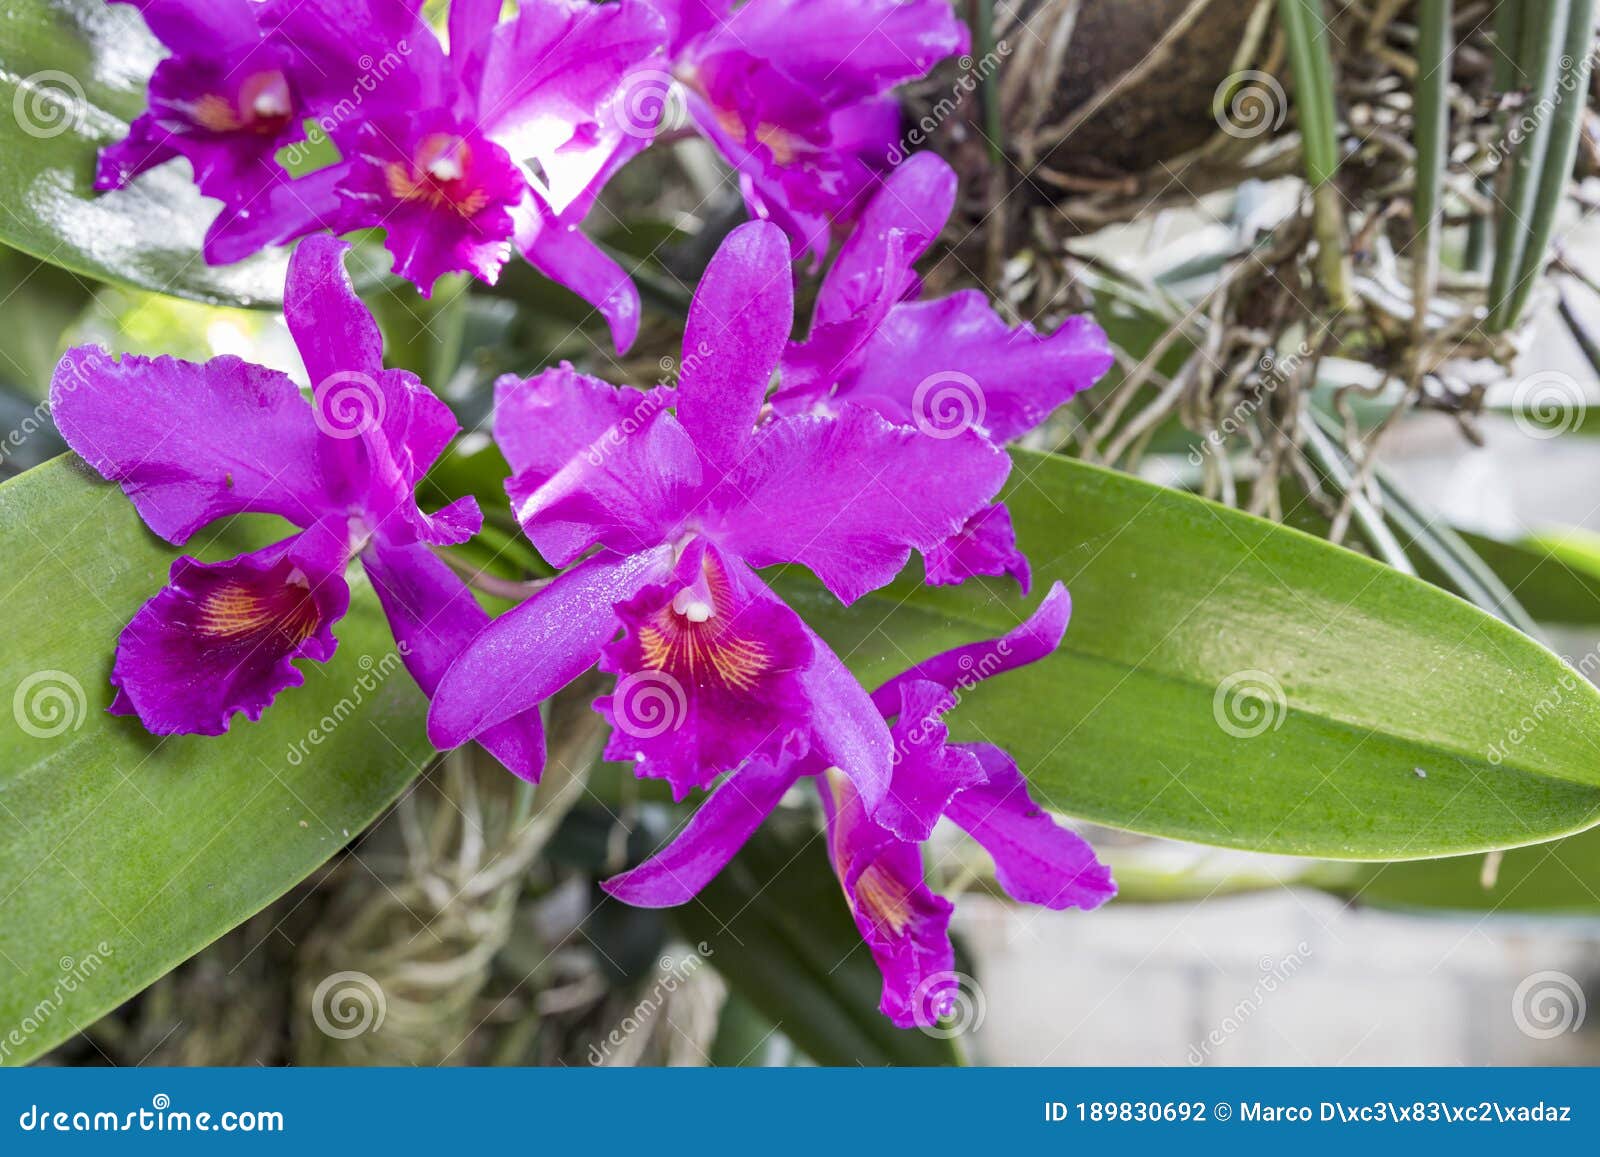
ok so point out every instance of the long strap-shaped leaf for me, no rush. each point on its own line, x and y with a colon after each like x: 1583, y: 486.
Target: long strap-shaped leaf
x: 1305, y: 27
x: 1571, y: 97
x: 1539, y: 45
x: 1432, y: 142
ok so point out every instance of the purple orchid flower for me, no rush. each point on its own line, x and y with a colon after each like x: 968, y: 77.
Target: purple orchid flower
x: 680, y: 495
x: 504, y: 141
x: 877, y: 854
x: 191, y: 444
x: 944, y: 366
x: 794, y: 94
x: 228, y: 102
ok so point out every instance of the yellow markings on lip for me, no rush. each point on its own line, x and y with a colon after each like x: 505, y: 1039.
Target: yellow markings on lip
x: 261, y: 106
x: 436, y: 176
x: 236, y: 609
x: 216, y: 114
x: 779, y: 140
x: 884, y: 897
x: 705, y: 648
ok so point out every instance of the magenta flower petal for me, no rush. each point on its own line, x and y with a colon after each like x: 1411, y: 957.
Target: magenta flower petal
x: 711, y: 838
x: 189, y: 443
x: 434, y: 617
x: 708, y: 674
x: 793, y: 92
x: 532, y: 651
x: 443, y: 192
x: 347, y: 55
x: 549, y: 74
x: 846, y: 729
x: 905, y: 925
x: 986, y: 547
x: 843, y: 50
x: 562, y: 253
x: 471, y: 26
x: 382, y: 429
x: 687, y: 19
x: 148, y: 144
x: 928, y: 771
x: 849, y: 497
x: 912, y: 206
x: 1010, y: 379
x: 280, y: 210
x: 1037, y: 861
x: 543, y: 422
x: 629, y: 496
x: 738, y: 324
x: 872, y: 274
x: 194, y: 25
x: 223, y: 99
x: 963, y: 667
x: 221, y: 637
x: 334, y: 332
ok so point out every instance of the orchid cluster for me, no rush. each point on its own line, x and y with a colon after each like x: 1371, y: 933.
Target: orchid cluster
x: 880, y: 435
x: 507, y: 137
